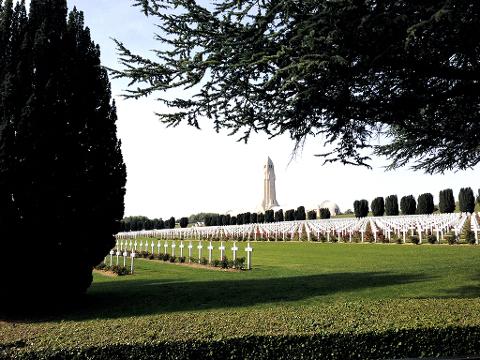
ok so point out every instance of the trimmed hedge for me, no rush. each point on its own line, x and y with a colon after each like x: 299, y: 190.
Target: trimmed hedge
x: 398, y: 343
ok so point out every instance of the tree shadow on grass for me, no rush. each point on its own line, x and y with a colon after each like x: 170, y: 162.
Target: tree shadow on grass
x: 118, y: 299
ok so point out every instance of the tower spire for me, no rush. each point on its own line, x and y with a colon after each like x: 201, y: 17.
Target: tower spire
x: 269, y: 192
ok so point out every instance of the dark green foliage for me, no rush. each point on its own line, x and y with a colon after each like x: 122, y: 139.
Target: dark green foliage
x: 247, y: 218
x: 160, y: 224
x: 378, y: 206
x: 233, y: 220
x: 261, y: 218
x: 325, y: 213
x: 414, y: 239
x: 288, y: 74
x: 60, y: 160
x: 391, y: 205
x: 312, y: 215
x: 397, y: 343
x: 300, y: 213
x: 279, y: 216
x: 360, y: 207
x: 170, y: 224
x: 200, y: 217
x: 183, y: 222
x: 446, y: 201
x: 425, y: 204
x: 408, y: 205
x: 254, y: 218
x: 466, y: 200
x: 269, y: 216
x: 290, y: 215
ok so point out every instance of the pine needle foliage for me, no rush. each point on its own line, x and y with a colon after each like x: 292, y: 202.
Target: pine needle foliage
x: 345, y: 71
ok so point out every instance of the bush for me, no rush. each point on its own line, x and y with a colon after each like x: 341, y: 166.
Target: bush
x: 432, y: 239
x: 166, y: 257
x: 172, y: 259
x: 216, y: 263
x: 183, y: 222
x: 224, y: 263
x: 451, y: 239
x: 239, y: 263
x: 414, y: 239
x: 182, y: 259
x: 204, y: 261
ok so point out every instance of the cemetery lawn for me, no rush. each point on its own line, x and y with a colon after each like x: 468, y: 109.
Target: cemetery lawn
x: 294, y: 289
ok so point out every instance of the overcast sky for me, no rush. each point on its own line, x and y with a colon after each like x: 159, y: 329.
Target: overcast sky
x: 182, y: 171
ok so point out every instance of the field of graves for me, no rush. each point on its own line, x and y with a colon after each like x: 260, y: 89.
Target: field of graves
x: 301, y: 298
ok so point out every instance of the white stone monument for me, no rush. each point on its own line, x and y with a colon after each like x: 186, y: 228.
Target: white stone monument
x: 269, y: 192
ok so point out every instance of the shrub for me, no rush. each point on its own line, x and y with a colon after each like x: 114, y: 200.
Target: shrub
x: 101, y: 266
x: 224, y: 263
x: 151, y: 257
x: 204, y: 261
x: 166, y: 257
x: 414, y: 239
x: 368, y: 235
x: 182, y: 259
x: 312, y: 215
x: 239, y: 263
x: 300, y: 213
x: 279, y: 216
x: 432, y: 239
x: 216, y: 263
x: 451, y: 238
x: 172, y: 259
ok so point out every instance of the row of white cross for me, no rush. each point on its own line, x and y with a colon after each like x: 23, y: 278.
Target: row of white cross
x: 438, y: 224
x: 124, y: 246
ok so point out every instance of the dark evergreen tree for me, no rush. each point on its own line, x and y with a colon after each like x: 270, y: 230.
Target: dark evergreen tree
x: 312, y: 215
x: 325, y: 213
x: 240, y: 219
x: 466, y: 200
x: 279, y: 215
x: 247, y: 218
x: 360, y: 208
x: 254, y: 218
x: 171, y: 223
x: 183, y: 222
x: 446, y: 202
x: 60, y: 160
x: 148, y: 224
x: 391, y: 205
x: 233, y: 220
x: 378, y: 206
x: 300, y: 213
x: 261, y: 218
x: 350, y: 70
x: 228, y: 217
x: 408, y: 205
x: 290, y: 215
x: 269, y: 216
x: 425, y: 204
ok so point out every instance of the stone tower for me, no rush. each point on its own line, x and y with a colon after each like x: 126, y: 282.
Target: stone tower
x: 269, y: 193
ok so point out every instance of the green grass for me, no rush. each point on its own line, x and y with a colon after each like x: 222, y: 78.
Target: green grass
x: 294, y: 288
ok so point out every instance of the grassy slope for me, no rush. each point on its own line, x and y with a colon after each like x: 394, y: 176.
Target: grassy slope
x: 295, y: 288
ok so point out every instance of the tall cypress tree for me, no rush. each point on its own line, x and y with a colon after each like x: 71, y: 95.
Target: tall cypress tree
x: 466, y: 200
x: 60, y: 160
x: 425, y: 204
x: 408, y: 205
x: 391, y: 205
x: 378, y: 206
x: 446, y: 202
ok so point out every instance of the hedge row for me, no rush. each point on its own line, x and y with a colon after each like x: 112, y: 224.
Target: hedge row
x: 401, y: 343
